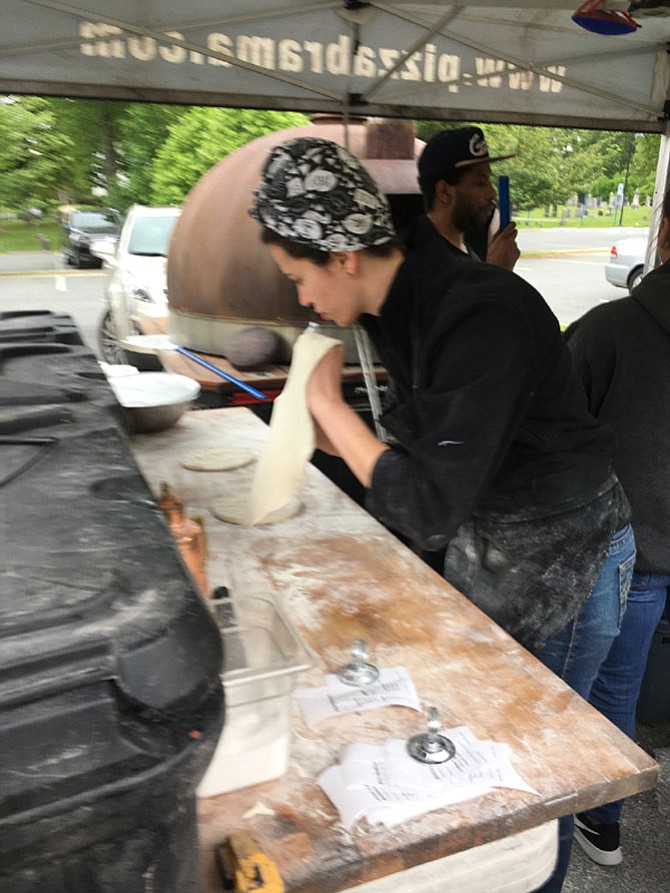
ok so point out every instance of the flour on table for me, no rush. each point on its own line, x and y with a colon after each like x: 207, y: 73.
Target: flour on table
x: 217, y: 458
x: 234, y: 509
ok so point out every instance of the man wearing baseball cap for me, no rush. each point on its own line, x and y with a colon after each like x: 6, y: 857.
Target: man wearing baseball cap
x: 459, y: 197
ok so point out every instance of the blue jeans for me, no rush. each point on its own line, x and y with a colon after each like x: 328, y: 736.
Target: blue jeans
x: 576, y: 653
x: 617, y: 686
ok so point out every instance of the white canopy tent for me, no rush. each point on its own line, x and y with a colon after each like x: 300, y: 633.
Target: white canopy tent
x: 521, y: 61
x: 512, y: 61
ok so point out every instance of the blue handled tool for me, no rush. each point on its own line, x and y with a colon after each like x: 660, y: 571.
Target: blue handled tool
x: 503, y: 201
x: 215, y: 369
x: 154, y: 343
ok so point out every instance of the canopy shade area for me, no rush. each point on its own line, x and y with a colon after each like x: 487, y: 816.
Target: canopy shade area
x: 515, y: 61
x: 534, y: 62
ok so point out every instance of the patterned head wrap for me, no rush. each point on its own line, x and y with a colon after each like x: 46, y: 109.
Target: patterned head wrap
x: 314, y: 192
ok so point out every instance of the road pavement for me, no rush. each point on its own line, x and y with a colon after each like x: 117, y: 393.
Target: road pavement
x: 31, y: 262
x: 573, y: 238
x: 565, y: 265
x: 645, y: 834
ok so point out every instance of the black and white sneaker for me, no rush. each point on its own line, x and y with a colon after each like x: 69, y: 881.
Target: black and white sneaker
x: 599, y: 842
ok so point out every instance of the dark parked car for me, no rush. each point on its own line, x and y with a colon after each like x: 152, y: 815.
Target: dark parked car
x: 81, y: 228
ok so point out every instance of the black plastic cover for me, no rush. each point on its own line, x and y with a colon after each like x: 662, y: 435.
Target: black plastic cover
x: 110, y: 694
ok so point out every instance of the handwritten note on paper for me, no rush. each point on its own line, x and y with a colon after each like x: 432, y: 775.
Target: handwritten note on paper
x: 393, y: 687
x: 475, y: 762
x: 384, y: 784
x: 380, y: 804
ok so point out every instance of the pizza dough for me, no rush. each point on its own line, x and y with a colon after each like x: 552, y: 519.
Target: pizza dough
x: 217, y: 458
x: 292, y: 439
x: 235, y: 510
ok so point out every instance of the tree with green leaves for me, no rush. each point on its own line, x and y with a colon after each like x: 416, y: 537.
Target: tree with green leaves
x: 554, y: 163
x: 141, y: 132
x: 55, y: 151
x: 35, y: 154
x: 91, y: 126
x: 201, y: 138
x: 644, y: 159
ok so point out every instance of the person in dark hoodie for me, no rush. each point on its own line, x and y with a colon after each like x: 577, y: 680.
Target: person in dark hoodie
x: 622, y: 353
x: 495, y: 455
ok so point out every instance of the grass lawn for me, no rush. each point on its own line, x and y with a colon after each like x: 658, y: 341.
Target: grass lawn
x: 536, y: 219
x: 17, y: 235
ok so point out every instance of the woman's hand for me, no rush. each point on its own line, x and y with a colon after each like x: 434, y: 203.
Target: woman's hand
x: 339, y: 428
x: 324, y: 390
x: 323, y: 442
x: 325, y: 383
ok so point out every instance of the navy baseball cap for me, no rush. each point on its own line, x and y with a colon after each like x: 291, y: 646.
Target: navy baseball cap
x: 450, y: 150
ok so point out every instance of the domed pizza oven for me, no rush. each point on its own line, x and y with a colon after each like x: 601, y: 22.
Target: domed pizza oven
x: 221, y: 278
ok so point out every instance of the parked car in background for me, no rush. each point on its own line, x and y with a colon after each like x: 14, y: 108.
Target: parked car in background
x: 136, y: 282
x: 625, y: 267
x: 81, y: 227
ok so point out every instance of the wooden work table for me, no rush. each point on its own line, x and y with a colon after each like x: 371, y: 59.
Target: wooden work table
x: 339, y: 575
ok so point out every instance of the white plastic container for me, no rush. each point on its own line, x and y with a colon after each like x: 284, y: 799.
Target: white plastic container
x: 263, y: 655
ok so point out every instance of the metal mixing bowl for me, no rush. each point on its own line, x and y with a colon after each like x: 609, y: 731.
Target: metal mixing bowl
x: 154, y: 401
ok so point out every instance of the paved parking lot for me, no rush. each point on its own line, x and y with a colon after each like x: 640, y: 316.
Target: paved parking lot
x: 32, y: 262
x: 645, y: 835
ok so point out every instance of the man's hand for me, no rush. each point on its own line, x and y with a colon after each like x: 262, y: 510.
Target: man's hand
x: 503, y: 249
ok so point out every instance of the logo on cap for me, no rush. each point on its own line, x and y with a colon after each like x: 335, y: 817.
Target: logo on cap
x: 478, y: 146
